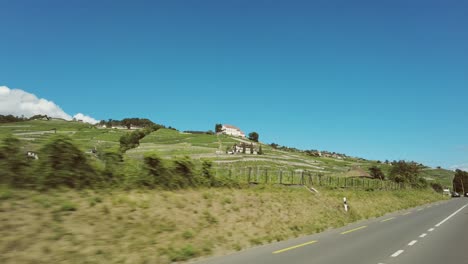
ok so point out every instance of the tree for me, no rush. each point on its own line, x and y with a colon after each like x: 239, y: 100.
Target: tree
x: 253, y: 136
x: 376, y: 173
x: 260, y: 150
x: 460, y: 181
x: 218, y: 128
x: 251, y: 148
x: 403, y: 171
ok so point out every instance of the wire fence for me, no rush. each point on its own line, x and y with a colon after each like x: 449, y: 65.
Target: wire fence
x: 258, y: 175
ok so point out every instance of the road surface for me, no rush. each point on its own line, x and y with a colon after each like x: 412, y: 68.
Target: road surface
x: 431, y: 234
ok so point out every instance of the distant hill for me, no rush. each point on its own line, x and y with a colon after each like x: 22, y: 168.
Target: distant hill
x: 170, y: 142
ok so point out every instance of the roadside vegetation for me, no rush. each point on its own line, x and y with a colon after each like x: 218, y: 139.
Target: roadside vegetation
x: 158, y: 226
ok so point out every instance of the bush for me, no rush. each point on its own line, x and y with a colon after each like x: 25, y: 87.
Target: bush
x: 157, y: 173
x: 437, y: 187
x: 14, y: 163
x: 61, y: 163
x: 207, y: 177
x: 376, y: 173
x: 113, y: 162
x: 183, y: 172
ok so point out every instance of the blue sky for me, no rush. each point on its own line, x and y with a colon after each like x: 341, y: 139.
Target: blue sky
x: 375, y: 79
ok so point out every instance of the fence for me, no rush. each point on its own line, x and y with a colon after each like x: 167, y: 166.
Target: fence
x: 257, y: 175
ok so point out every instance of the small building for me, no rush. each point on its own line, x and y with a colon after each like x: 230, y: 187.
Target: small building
x: 232, y: 131
x: 32, y: 155
x: 243, y: 148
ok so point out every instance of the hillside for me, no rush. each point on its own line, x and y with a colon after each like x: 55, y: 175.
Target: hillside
x: 169, y: 143
x: 146, y: 209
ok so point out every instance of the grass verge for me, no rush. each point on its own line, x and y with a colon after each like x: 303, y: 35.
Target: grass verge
x: 143, y: 226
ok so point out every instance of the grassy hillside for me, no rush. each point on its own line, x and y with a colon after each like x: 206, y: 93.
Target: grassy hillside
x: 86, y: 136
x: 152, y: 226
x: 169, y: 143
x: 136, y: 222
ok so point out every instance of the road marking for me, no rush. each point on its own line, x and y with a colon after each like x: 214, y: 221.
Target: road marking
x: 293, y: 247
x: 420, y: 209
x: 352, y: 230
x: 450, y: 216
x: 396, y: 254
x: 423, y: 235
x: 407, y: 213
x: 412, y: 242
x: 388, y: 219
x: 430, y: 229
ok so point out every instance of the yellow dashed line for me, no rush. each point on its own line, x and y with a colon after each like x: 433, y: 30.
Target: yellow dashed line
x: 388, y: 219
x: 352, y: 230
x: 293, y: 247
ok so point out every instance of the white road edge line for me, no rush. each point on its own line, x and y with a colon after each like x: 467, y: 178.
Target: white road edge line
x: 450, y: 216
x: 430, y: 229
x: 396, y: 254
x: 423, y: 235
x: 412, y: 242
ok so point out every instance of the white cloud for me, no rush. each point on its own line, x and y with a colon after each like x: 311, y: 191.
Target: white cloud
x: 85, y: 118
x: 463, y: 167
x: 18, y: 102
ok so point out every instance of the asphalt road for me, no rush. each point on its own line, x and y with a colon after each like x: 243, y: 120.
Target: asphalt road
x: 430, y: 234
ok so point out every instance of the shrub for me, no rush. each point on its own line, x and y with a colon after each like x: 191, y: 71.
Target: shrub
x: 157, y: 174
x: 437, y: 187
x: 376, y: 173
x: 61, y: 163
x: 113, y: 161
x: 183, y: 175
x: 207, y: 177
x: 13, y: 163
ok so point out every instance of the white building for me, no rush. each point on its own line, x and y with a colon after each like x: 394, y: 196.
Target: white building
x: 232, y: 131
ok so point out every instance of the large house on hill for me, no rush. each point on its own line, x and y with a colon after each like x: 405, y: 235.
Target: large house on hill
x: 232, y: 131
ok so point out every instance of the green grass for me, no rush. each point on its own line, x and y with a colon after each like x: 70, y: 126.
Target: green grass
x: 441, y: 176
x: 161, y: 226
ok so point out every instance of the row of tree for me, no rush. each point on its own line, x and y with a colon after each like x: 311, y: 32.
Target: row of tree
x: 129, y: 123
x: 62, y: 163
x: 12, y: 118
x: 404, y: 172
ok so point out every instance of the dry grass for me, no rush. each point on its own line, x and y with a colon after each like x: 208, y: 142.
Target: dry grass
x: 68, y: 226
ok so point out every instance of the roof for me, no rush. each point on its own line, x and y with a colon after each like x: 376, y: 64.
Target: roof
x: 231, y: 126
